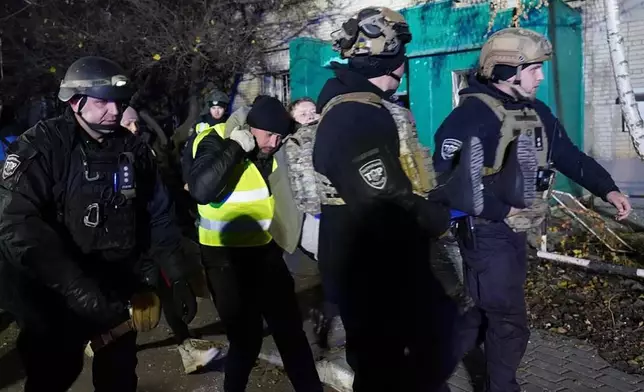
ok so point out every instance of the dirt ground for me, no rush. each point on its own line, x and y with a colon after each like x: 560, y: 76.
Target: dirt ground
x: 159, y: 368
x: 605, y: 310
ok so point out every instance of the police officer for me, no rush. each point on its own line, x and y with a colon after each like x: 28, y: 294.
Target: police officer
x: 215, y: 116
x: 500, y: 99
x: 81, y: 202
x: 215, y: 107
x: 213, y: 112
x: 379, y: 217
x: 240, y: 190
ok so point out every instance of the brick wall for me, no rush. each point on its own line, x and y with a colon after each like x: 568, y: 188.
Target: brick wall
x: 604, y: 138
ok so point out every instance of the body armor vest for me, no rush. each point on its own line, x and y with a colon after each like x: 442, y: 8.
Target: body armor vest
x: 414, y: 158
x: 99, y: 208
x: 513, y: 123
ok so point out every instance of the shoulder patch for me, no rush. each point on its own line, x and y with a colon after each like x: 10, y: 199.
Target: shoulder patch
x: 374, y: 174
x: 449, y: 148
x: 10, y: 166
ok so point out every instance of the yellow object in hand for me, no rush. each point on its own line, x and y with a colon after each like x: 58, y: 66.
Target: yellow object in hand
x: 145, y: 311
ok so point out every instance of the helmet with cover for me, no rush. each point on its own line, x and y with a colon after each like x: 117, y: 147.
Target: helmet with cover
x: 509, y: 51
x: 374, y: 31
x: 374, y: 42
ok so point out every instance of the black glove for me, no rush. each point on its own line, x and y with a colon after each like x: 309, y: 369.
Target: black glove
x: 185, y: 302
x: 86, y: 300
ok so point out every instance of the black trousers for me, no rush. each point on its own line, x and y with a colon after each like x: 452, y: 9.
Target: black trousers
x: 400, y: 325
x: 495, y: 274
x: 53, y: 355
x: 248, y: 284
x: 177, y: 325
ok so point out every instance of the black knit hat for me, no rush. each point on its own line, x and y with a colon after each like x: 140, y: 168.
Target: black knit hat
x: 268, y: 114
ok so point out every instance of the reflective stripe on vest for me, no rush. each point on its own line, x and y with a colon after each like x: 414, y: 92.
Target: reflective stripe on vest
x: 234, y: 226
x: 243, y: 217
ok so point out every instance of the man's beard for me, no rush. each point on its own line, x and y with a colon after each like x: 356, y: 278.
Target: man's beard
x: 265, y: 155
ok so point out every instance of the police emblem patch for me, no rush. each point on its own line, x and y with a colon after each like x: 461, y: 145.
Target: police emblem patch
x: 374, y: 174
x: 449, y: 148
x: 10, y: 166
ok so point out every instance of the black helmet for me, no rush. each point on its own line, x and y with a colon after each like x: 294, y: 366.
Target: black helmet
x: 96, y: 77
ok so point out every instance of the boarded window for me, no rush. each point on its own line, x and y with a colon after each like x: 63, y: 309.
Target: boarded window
x: 459, y: 82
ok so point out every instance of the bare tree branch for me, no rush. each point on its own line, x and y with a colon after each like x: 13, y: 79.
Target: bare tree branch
x: 173, y: 49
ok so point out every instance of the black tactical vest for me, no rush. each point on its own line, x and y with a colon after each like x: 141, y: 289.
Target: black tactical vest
x: 99, y: 207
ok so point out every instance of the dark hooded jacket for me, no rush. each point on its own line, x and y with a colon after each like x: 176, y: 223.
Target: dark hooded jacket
x: 474, y: 118
x: 42, y: 263
x: 353, y: 134
x: 376, y: 248
x: 186, y: 151
x: 383, y: 220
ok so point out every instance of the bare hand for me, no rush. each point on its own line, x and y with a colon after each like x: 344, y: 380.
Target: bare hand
x: 621, y: 202
x: 513, y: 211
x: 244, y: 137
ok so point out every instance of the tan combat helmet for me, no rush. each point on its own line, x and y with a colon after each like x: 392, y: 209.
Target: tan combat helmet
x: 374, y: 31
x: 514, y: 47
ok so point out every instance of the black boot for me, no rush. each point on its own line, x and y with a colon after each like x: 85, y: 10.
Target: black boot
x: 515, y: 184
x: 461, y: 188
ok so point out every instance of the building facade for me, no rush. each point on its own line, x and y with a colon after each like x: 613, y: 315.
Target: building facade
x: 602, y: 132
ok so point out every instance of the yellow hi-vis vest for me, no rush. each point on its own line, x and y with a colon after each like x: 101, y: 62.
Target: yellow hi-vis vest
x: 202, y: 126
x: 243, y: 217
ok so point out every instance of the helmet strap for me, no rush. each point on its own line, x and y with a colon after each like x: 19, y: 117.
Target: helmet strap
x: 81, y: 104
x: 519, y: 92
x: 517, y: 79
x: 394, y: 76
x: 516, y: 86
x: 102, y: 129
